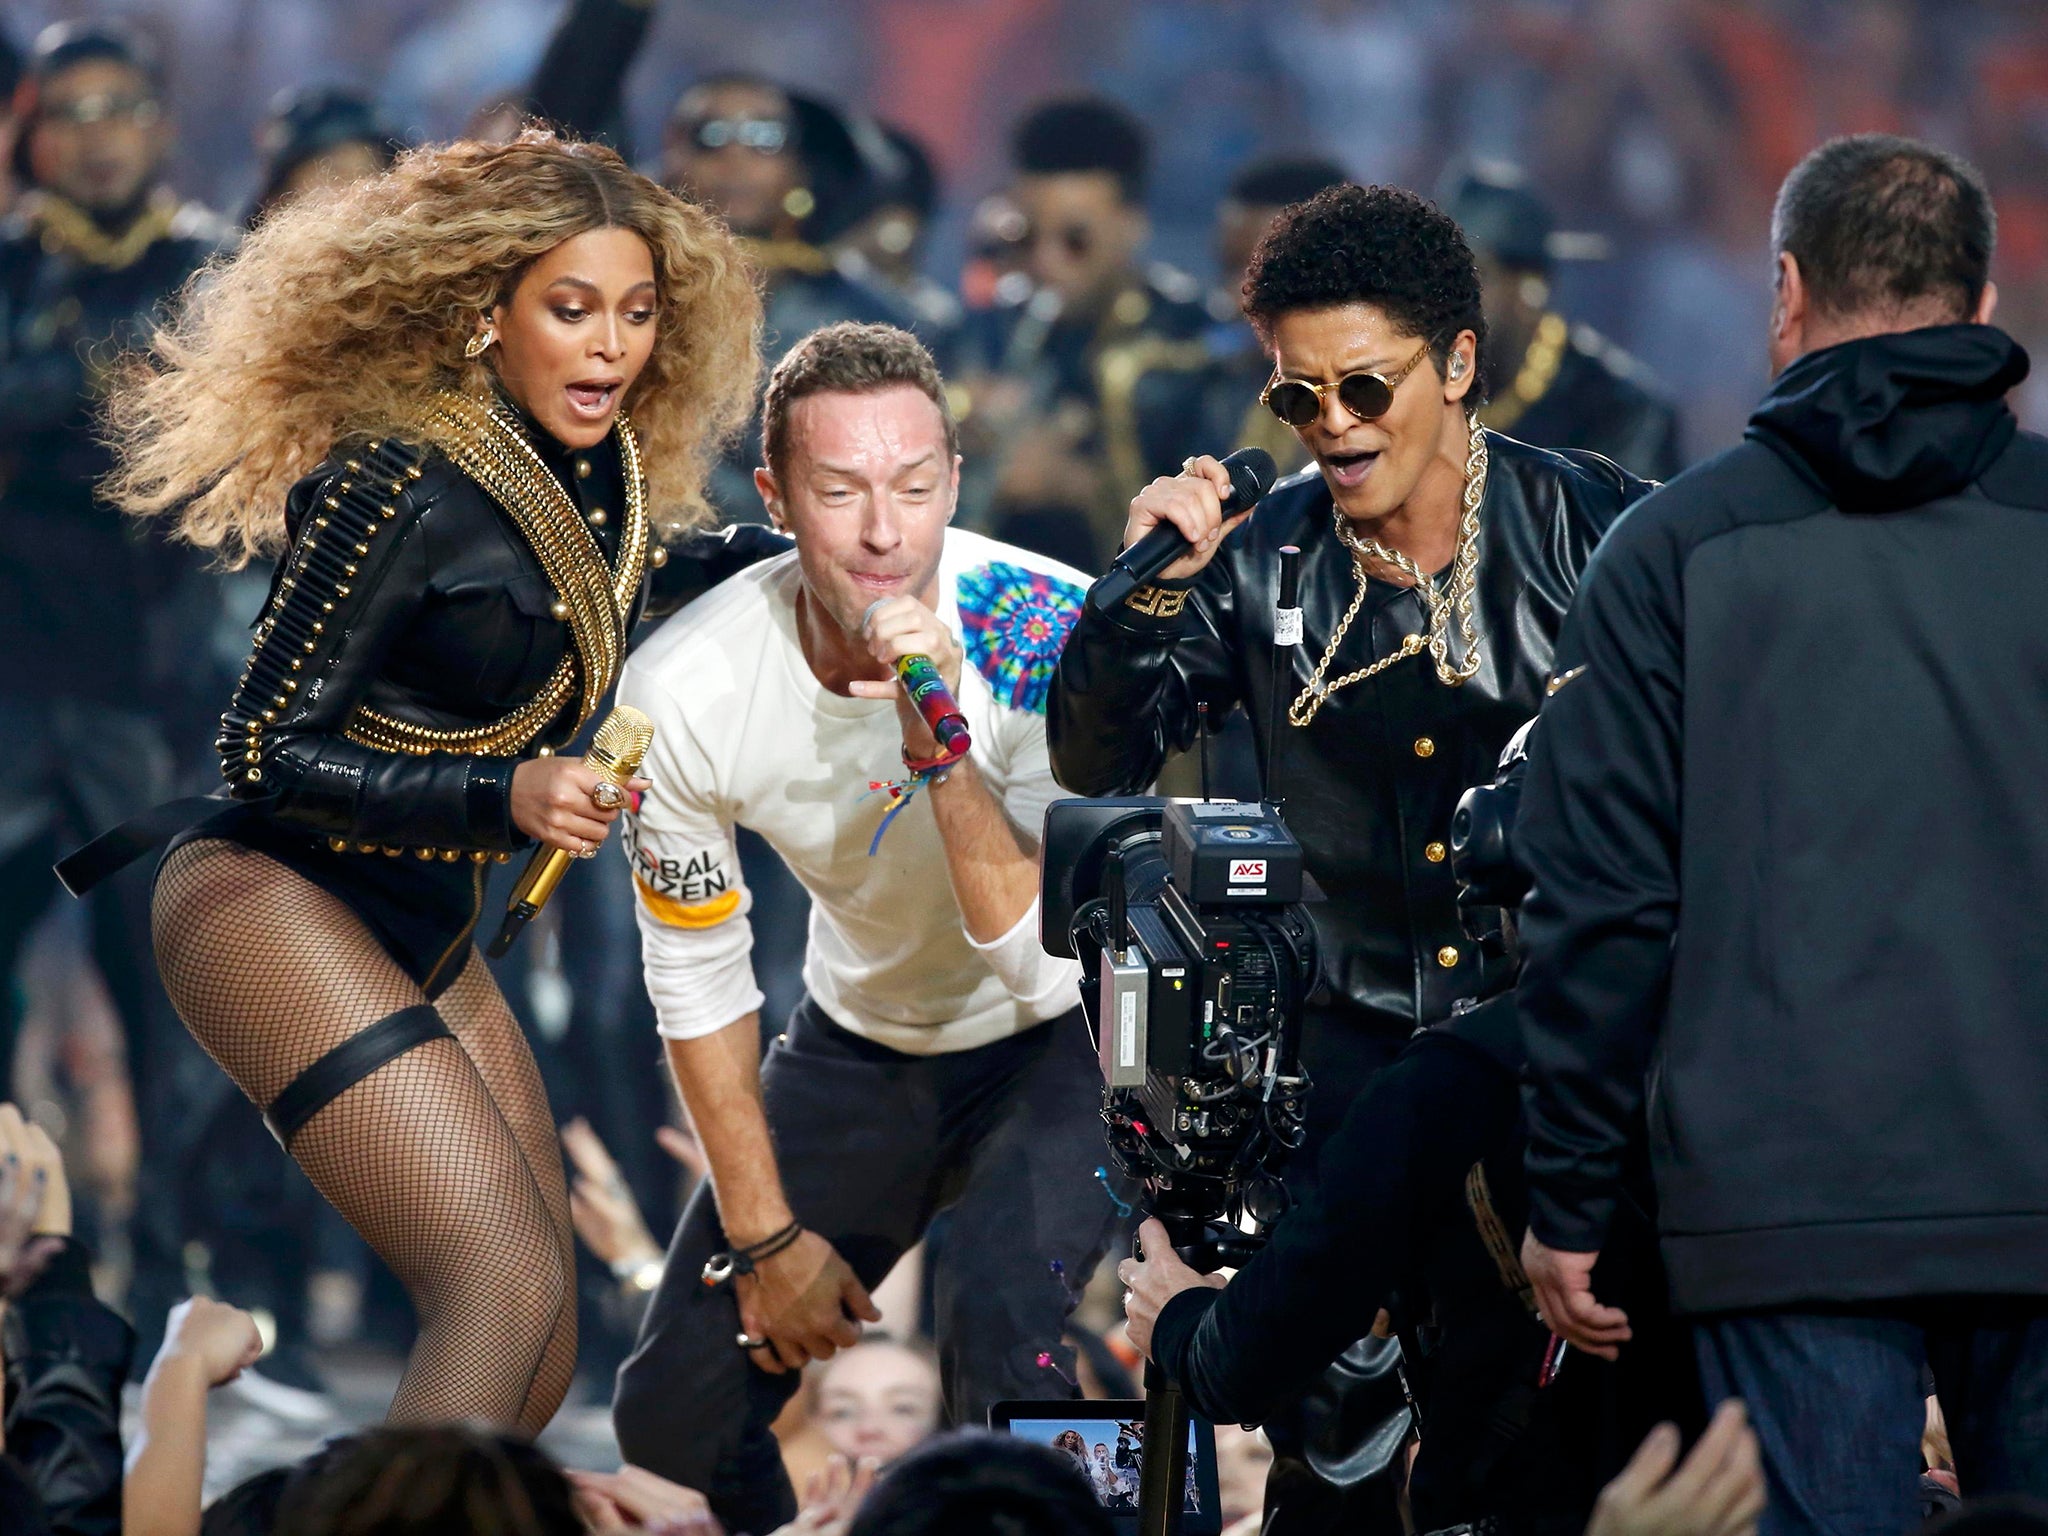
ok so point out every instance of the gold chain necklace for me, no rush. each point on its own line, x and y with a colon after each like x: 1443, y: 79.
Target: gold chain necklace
x: 1457, y: 596
x: 68, y: 230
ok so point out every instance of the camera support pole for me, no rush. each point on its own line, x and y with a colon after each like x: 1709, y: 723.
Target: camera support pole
x: 1286, y: 636
x: 1163, y: 1471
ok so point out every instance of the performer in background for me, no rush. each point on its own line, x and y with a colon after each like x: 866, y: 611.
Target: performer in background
x: 98, y: 620
x: 442, y: 358
x: 938, y: 1060
x: 1560, y: 385
x: 1437, y: 560
x: 773, y: 164
x: 1054, y: 363
x: 1189, y: 397
x: 326, y: 136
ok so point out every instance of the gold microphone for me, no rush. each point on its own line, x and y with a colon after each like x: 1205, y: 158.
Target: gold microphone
x: 614, y: 756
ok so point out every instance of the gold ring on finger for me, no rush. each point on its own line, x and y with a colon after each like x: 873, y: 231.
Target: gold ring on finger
x: 606, y: 795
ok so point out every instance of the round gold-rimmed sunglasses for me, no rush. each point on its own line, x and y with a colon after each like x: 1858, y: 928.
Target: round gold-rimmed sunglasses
x: 1368, y: 396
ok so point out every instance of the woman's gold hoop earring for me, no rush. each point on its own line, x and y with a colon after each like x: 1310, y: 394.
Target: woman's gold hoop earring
x: 479, y: 343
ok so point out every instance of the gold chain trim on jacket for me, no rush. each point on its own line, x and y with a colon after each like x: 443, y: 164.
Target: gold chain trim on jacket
x: 1458, y: 594
x: 1540, y: 362
x: 68, y: 230
x: 483, y: 440
x: 1493, y: 1232
x: 500, y: 738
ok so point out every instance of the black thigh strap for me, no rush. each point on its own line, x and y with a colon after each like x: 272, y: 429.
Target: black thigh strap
x: 348, y: 1064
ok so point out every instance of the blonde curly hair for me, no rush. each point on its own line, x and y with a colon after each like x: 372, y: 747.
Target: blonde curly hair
x: 343, y: 311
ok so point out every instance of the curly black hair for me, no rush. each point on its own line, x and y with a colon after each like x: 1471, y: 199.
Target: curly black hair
x: 1382, y: 246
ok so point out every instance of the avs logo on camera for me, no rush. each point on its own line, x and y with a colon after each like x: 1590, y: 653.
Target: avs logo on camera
x: 1247, y: 871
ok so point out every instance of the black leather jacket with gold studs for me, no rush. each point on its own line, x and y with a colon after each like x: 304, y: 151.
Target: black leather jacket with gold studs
x: 1370, y: 785
x: 443, y: 614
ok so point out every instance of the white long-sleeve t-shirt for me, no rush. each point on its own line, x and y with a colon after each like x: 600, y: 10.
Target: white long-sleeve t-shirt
x: 746, y: 735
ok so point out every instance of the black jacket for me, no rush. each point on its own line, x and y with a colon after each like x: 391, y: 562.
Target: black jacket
x: 445, y: 620
x: 1787, y: 831
x: 449, y: 621
x: 1371, y: 785
x: 1602, y: 400
x: 79, y: 583
x: 1419, y: 1206
x: 67, y: 1356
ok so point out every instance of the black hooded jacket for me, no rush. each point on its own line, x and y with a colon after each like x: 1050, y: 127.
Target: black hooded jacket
x: 1786, y: 823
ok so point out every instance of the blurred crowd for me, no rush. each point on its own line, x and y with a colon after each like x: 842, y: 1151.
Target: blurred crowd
x: 1660, y: 128
x: 1059, y: 196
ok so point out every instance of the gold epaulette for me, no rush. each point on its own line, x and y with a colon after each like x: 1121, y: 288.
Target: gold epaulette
x: 483, y: 440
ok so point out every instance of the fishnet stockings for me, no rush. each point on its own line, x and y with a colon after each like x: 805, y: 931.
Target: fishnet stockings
x: 443, y: 1159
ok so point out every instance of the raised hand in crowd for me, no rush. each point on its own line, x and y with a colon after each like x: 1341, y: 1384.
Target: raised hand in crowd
x: 35, y: 1205
x: 207, y: 1344
x: 832, y: 1496
x: 1718, y: 1490
x: 601, y: 1204
x: 35, y: 1198
x: 602, y: 1207
x: 636, y: 1500
x: 61, y: 1468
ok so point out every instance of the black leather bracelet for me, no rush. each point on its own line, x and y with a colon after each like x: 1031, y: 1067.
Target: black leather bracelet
x: 724, y: 1268
x: 773, y: 1243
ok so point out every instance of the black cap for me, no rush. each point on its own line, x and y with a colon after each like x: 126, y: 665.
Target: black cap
x: 304, y: 124
x: 64, y: 43
x: 904, y: 173
x: 834, y: 166
x: 1502, y: 218
x: 1284, y: 180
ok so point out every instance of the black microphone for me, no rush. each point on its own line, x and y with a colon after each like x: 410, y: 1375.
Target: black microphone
x: 1252, y: 472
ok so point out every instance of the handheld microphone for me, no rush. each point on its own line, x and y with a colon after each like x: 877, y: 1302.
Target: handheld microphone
x: 920, y: 678
x: 1252, y: 472
x: 614, y: 754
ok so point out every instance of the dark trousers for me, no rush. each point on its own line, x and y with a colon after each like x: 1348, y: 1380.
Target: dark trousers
x: 1315, y: 1487
x: 1836, y: 1398
x: 77, y: 769
x: 872, y: 1144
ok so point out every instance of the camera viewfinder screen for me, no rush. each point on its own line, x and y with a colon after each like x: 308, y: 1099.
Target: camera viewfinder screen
x: 1109, y: 1453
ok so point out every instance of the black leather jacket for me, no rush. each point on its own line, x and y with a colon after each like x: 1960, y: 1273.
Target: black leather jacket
x: 397, y: 622
x: 67, y: 1356
x: 446, y: 621
x: 1371, y: 784
x: 450, y: 622
x: 82, y: 588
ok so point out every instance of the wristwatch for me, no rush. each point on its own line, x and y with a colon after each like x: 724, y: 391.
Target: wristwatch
x: 641, y: 1275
